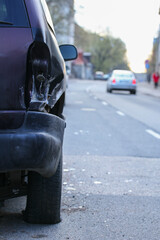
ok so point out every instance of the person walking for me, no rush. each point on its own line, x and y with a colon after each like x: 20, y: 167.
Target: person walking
x: 155, y: 77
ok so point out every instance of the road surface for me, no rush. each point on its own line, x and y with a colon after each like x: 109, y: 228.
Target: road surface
x: 111, y: 171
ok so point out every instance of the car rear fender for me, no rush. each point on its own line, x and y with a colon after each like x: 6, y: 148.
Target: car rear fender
x: 45, y: 78
x: 14, y: 46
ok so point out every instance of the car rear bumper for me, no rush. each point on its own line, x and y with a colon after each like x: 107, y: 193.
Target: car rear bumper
x: 123, y: 87
x: 35, y: 146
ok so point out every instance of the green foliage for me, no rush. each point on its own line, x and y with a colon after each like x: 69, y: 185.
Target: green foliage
x: 108, y: 53
x: 85, y: 40
x: 61, y: 11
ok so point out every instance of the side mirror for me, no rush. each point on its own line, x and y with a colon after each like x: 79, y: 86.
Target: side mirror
x: 69, y: 52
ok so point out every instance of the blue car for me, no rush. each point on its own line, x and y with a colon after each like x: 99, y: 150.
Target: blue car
x: 122, y: 80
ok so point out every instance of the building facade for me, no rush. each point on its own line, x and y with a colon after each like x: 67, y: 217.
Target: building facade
x: 158, y: 53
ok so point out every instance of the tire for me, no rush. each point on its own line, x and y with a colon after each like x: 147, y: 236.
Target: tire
x: 44, y: 198
x: 133, y: 92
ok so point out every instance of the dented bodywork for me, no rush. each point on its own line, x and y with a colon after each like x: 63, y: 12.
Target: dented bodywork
x: 32, y: 89
x: 45, y: 78
x: 45, y: 60
x: 36, y: 67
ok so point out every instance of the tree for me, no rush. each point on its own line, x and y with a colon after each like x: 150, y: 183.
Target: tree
x: 108, y: 53
x: 85, y: 40
x: 62, y: 12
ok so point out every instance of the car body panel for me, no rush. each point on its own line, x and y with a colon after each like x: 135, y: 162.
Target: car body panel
x: 20, y: 41
x: 14, y: 44
x: 43, y: 31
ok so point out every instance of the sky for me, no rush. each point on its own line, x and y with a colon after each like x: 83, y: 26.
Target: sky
x: 135, y: 22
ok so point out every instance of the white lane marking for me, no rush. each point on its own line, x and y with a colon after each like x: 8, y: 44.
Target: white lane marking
x: 88, y: 109
x: 120, y: 113
x: 97, y: 182
x: 104, y: 103
x: 71, y: 188
x: 154, y: 134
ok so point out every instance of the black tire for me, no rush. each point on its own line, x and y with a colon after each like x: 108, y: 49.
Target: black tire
x: 133, y: 92
x: 44, y: 198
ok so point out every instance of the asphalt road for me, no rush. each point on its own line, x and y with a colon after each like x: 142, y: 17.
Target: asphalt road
x: 118, y: 124
x: 111, y: 170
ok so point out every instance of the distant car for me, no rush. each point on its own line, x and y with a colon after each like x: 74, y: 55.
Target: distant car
x: 122, y: 80
x: 32, y: 93
x: 106, y: 77
x: 98, y: 75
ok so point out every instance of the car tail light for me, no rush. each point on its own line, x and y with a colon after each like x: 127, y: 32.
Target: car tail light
x: 114, y: 80
x: 134, y: 81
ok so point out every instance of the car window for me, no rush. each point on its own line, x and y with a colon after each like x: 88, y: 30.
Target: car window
x: 47, y: 14
x: 13, y: 14
x: 129, y: 75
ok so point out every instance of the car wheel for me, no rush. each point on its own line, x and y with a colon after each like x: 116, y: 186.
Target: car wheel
x: 44, y: 198
x: 133, y: 92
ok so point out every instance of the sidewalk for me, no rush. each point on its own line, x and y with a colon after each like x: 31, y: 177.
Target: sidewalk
x: 148, y: 89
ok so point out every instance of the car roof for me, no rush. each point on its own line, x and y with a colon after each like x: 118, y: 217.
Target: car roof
x: 98, y: 72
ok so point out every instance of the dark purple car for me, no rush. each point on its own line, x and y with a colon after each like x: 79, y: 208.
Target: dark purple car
x: 32, y: 93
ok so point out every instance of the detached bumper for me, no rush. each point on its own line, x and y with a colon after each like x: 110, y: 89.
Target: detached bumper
x: 36, y: 145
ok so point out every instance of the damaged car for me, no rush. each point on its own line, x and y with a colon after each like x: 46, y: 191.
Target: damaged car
x: 32, y: 94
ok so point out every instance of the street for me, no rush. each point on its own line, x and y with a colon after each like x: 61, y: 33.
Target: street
x: 111, y: 170
x: 111, y: 124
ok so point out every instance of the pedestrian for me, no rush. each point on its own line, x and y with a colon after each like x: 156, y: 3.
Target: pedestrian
x: 148, y: 77
x: 155, y: 77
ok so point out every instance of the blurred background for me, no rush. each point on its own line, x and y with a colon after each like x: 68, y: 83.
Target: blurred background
x: 117, y: 34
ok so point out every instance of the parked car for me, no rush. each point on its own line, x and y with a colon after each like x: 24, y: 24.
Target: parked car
x: 32, y: 92
x: 98, y: 75
x: 106, y: 76
x: 122, y: 80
